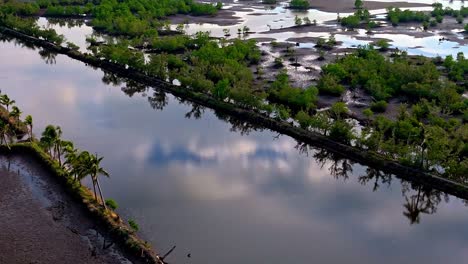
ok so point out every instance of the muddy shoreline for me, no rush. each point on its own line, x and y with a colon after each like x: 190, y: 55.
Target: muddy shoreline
x: 65, y: 211
x: 257, y: 119
x: 58, y: 230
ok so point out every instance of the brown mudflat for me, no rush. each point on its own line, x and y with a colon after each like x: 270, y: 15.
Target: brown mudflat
x: 41, y: 224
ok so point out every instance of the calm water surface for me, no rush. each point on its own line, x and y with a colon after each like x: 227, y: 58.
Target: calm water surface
x: 226, y: 196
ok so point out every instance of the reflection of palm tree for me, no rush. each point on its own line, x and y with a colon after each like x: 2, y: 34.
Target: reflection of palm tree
x: 48, y: 57
x: 196, y: 112
x: 159, y: 100
x: 425, y: 201
x: 339, y: 167
x: 377, y: 175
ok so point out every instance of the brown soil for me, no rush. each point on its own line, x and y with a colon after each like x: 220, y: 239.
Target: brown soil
x: 41, y: 224
x: 223, y: 18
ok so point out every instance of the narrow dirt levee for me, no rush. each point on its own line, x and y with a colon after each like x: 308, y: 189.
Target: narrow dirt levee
x: 40, y: 223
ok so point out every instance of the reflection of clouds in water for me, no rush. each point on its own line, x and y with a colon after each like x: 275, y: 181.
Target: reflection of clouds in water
x: 202, y: 184
x: 240, y: 150
x: 68, y: 95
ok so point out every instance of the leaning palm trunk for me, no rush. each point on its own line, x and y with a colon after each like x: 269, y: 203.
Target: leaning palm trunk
x: 59, y: 154
x: 100, y: 193
x: 94, y: 188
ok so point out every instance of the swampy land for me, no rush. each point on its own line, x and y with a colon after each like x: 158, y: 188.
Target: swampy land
x: 222, y: 190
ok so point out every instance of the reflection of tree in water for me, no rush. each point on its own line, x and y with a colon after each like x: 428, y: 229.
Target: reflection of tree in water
x: 237, y: 125
x: 48, y: 57
x: 420, y: 200
x: 17, y: 42
x: 112, y: 79
x: 339, y: 167
x: 379, y: 177
x: 196, y: 112
x: 69, y: 23
x: 158, y: 100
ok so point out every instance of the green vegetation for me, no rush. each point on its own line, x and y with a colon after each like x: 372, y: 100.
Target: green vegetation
x: 297, y: 21
x: 379, y: 107
x: 29, y: 27
x: 323, y: 44
x: 295, y: 98
x: 133, y: 225
x: 112, y: 204
x: 457, y: 70
x: 396, y: 15
x: 383, y: 44
x: 360, y: 17
x: 358, y: 4
x: 299, y: 4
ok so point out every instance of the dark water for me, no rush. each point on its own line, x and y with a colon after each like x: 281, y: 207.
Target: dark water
x: 226, y: 196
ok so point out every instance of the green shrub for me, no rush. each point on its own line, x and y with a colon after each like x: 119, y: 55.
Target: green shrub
x: 341, y: 131
x: 379, y: 107
x: 351, y: 21
x: 328, y: 84
x: 383, y: 44
x: 368, y: 113
x: 133, y: 225
x: 299, y: 4
x: 112, y: 204
x: 278, y: 62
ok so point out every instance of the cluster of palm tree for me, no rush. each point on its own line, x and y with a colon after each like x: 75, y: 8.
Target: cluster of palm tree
x: 7, y: 133
x: 78, y: 164
x: 6, y: 101
x: 7, y: 129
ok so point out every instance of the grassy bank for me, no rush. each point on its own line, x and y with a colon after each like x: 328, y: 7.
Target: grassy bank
x: 366, y: 157
x: 122, y: 234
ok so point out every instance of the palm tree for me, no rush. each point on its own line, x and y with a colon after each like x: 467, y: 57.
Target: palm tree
x: 5, y: 132
x: 48, y: 139
x: 95, y: 170
x: 58, y: 144
x: 85, y: 164
x: 63, y: 147
x: 80, y: 165
x: 8, y: 134
x: 29, y: 121
x: 15, y: 113
x: 71, y: 158
x: 6, y: 101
